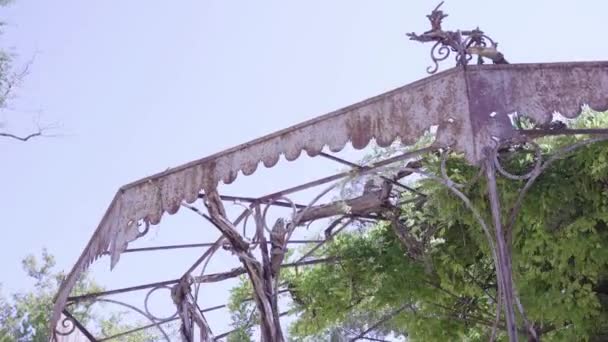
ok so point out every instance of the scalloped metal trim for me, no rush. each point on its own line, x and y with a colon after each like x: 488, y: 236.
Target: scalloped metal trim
x: 532, y: 90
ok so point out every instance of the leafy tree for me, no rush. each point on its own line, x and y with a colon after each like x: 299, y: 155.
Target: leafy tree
x: 11, y: 78
x: 242, y: 313
x: 115, y: 325
x: 24, y: 316
x: 438, y: 284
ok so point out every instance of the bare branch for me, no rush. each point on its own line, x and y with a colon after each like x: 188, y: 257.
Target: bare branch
x: 24, y: 138
x: 41, y: 131
x: 367, y: 203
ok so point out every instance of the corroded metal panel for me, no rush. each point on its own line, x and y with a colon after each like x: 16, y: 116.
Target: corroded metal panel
x: 532, y: 90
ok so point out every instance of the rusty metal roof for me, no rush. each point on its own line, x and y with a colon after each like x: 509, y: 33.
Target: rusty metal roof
x: 469, y: 105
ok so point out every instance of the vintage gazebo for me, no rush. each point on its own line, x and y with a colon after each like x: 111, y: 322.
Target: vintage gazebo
x: 470, y: 109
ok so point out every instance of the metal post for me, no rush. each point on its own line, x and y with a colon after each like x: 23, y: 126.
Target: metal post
x: 503, y: 272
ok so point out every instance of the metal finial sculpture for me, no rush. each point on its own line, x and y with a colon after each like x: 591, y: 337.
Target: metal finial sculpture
x: 464, y: 43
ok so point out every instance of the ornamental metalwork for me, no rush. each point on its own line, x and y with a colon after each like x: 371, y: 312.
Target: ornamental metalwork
x: 464, y: 44
x: 472, y: 110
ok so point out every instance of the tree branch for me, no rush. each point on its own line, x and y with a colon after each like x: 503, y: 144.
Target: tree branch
x: 369, y: 202
x: 379, y: 323
x: 24, y: 138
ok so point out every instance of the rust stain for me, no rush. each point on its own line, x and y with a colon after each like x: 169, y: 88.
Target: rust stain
x: 532, y: 90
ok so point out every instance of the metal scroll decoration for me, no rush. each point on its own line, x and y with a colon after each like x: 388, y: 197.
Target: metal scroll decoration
x: 67, y: 326
x: 464, y: 43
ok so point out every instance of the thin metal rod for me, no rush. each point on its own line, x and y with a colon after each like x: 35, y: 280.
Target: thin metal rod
x: 218, y: 337
x: 78, y: 325
x: 337, y: 176
x: 195, y: 245
x: 312, y: 250
x: 304, y: 241
x: 504, y: 273
x: 206, y: 334
x: 168, y: 247
x: 213, y: 308
x: 542, y: 132
x: 361, y: 167
x: 216, y: 277
x: 147, y: 326
x: 310, y: 262
x: 217, y: 307
x: 205, y: 255
x: 202, y: 258
x: 121, y: 290
x: 139, y: 311
x: 256, y: 200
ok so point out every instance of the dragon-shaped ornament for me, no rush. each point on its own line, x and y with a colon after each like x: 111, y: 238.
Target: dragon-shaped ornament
x: 464, y: 43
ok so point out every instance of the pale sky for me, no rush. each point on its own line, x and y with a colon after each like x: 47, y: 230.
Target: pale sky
x: 139, y: 86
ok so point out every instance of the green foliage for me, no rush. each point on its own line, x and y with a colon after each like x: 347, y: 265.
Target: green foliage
x: 115, y: 324
x: 8, y: 77
x: 242, y: 312
x: 24, y: 316
x: 559, y: 248
x: 11, y: 77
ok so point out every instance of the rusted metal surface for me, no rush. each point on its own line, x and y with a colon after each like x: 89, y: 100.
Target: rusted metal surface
x: 532, y: 90
x: 503, y: 263
x: 469, y: 106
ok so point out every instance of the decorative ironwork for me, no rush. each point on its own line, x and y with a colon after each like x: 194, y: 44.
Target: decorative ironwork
x: 154, y: 321
x: 464, y: 43
x: 191, y: 317
x: 147, y: 299
x: 67, y: 323
x: 69, y: 326
x: 468, y: 106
